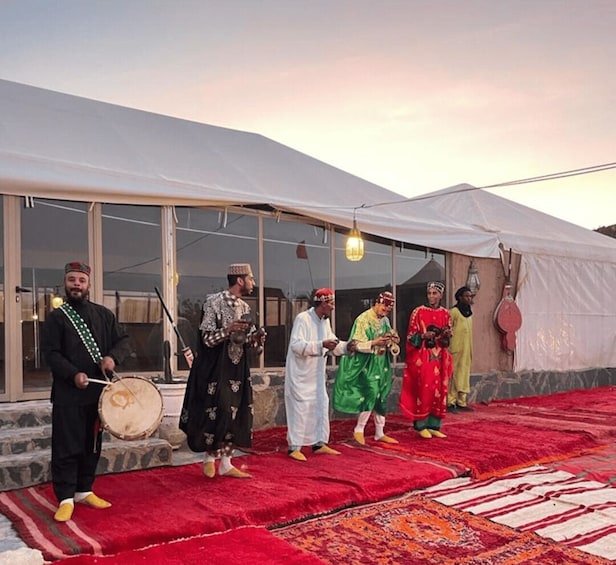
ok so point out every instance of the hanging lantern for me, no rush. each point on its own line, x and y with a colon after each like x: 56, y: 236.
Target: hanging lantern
x: 472, y: 279
x: 355, y: 244
x: 56, y: 299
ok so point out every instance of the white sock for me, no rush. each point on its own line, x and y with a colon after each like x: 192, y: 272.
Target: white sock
x: 67, y: 501
x: 379, y: 426
x: 79, y: 496
x: 209, y: 458
x: 362, y: 420
x: 225, y: 464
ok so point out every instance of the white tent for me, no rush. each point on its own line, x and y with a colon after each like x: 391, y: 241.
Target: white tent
x: 55, y: 145
x: 63, y: 146
x: 566, y: 283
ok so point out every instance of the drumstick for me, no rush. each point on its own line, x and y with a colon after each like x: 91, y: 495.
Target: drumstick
x: 99, y: 381
x: 118, y: 378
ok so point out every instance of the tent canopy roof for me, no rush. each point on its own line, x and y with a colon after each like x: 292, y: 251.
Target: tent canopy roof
x: 56, y: 145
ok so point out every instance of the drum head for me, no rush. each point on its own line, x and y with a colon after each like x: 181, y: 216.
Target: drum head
x: 131, y: 408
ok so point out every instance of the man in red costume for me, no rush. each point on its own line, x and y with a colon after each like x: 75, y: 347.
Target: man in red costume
x: 428, y: 365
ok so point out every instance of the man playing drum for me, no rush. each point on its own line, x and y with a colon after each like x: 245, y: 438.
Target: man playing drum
x: 80, y: 339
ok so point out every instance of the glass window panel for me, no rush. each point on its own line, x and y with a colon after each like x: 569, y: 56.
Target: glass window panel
x: 132, y: 268
x: 2, y: 332
x: 358, y: 283
x: 65, y: 225
x: 207, y: 242
x: 296, y: 261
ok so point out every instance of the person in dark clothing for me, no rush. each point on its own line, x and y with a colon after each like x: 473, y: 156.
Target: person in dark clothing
x: 217, y: 412
x: 79, y: 340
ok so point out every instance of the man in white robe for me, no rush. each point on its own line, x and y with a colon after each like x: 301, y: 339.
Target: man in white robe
x: 305, y: 392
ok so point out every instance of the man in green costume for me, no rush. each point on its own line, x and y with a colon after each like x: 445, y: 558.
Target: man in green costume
x: 364, y: 379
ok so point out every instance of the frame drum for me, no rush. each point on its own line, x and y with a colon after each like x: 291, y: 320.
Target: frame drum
x: 131, y: 408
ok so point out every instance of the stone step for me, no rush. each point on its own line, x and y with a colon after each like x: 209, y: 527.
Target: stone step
x: 30, y: 468
x: 22, y: 440
x: 29, y: 414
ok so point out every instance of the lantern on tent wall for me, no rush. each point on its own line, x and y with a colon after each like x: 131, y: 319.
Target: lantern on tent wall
x: 354, y: 250
x: 472, y: 279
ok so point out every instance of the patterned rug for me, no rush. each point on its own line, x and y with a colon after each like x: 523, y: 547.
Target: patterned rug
x: 553, y: 503
x: 418, y: 531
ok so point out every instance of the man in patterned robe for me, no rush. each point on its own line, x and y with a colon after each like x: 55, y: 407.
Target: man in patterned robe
x: 217, y: 413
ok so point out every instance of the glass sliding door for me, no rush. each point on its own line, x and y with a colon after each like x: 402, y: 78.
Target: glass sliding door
x: 207, y: 241
x: 2, y: 301
x: 53, y: 232
x: 132, y: 268
x: 296, y: 261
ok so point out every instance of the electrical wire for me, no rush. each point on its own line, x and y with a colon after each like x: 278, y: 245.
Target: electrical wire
x: 541, y: 178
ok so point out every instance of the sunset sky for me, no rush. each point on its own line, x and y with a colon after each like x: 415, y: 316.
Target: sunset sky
x: 413, y: 95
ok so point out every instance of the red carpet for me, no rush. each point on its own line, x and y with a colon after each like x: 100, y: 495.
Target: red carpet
x: 159, y: 505
x: 590, y: 411
x: 493, y: 448
x: 592, y: 400
x: 598, y: 466
x: 478, y: 441
x: 242, y: 546
x: 418, y: 531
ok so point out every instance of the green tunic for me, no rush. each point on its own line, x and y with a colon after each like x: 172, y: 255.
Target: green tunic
x: 363, y: 381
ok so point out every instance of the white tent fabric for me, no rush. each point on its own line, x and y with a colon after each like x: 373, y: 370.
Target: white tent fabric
x: 60, y: 146
x: 569, y: 314
x: 54, y: 145
x: 565, y: 288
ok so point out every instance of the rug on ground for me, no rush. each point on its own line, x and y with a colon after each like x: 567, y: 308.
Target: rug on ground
x: 553, y: 503
x: 599, y: 465
x: 490, y: 441
x: 588, y: 411
x: 415, y: 530
x: 163, y: 504
x: 240, y: 546
x: 494, y: 448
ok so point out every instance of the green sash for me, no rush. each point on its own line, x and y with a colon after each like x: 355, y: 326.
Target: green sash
x: 83, y: 331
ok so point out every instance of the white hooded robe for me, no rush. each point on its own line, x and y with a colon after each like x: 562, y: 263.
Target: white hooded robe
x: 305, y: 392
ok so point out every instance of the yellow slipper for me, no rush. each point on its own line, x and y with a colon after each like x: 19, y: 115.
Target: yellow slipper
x: 64, y: 512
x: 387, y: 439
x: 359, y: 438
x: 297, y: 455
x: 436, y: 433
x: 209, y: 470
x: 94, y: 501
x: 425, y: 434
x: 236, y: 474
x: 326, y: 450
